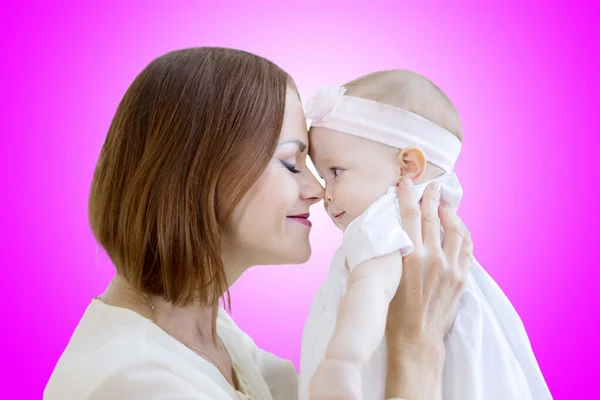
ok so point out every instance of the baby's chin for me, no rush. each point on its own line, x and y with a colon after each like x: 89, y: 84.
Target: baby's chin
x: 337, y: 224
x: 343, y: 222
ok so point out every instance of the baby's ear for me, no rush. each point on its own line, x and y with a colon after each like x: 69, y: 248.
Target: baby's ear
x: 411, y: 163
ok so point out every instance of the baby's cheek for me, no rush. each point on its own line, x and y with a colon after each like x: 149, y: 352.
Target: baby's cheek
x: 358, y: 197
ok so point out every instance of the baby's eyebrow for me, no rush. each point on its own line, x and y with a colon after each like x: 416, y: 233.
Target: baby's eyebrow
x: 327, y: 161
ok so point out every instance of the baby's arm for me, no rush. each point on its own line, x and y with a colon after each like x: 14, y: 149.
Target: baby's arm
x: 363, y: 311
x: 360, y: 327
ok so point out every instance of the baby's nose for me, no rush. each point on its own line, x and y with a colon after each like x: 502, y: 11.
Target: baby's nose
x: 328, y: 198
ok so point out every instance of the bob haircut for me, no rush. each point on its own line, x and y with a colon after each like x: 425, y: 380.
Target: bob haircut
x: 192, y: 134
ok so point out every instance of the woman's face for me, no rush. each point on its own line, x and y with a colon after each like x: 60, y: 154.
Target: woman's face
x: 271, y: 224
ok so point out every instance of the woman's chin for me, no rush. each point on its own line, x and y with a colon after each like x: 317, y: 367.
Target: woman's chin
x: 284, y: 255
x: 299, y: 255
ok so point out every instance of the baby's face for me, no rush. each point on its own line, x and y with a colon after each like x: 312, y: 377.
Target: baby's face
x: 356, y: 172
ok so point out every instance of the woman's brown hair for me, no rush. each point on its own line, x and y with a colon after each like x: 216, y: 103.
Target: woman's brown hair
x: 191, y: 135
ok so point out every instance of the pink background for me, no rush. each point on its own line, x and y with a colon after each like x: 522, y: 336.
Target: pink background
x: 523, y: 77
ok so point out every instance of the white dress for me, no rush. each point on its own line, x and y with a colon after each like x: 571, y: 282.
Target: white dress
x: 488, y: 353
x: 117, y: 354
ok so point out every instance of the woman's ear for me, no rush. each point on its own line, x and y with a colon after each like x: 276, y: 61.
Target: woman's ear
x: 411, y: 163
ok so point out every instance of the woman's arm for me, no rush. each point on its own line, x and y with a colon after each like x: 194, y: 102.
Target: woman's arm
x: 422, y: 311
x: 414, y: 371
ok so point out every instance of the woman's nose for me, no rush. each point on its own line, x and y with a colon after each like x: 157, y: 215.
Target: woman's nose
x: 311, y: 190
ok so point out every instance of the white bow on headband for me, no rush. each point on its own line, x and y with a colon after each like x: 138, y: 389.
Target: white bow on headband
x: 394, y: 126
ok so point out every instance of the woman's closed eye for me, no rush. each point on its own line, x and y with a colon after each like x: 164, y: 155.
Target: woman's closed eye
x: 291, y: 167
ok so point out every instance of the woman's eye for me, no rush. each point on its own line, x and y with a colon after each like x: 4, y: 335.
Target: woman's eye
x: 336, y: 171
x: 291, y: 167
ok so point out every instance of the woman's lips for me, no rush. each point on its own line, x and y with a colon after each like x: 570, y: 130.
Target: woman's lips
x: 301, y: 218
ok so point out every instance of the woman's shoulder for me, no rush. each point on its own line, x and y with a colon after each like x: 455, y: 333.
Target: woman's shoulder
x: 117, y: 353
x: 103, y: 330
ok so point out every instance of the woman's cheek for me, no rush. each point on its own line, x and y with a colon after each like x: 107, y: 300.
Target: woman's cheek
x: 285, y: 188
x: 290, y: 191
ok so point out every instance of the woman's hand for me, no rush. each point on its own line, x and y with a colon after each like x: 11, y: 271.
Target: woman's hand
x: 424, y: 307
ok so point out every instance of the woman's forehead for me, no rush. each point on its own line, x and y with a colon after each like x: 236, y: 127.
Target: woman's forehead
x: 294, y: 122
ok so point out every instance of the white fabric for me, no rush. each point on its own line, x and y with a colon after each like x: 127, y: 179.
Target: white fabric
x: 364, y: 237
x: 117, y: 354
x: 488, y: 356
x: 375, y: 242
x: 394, y: 126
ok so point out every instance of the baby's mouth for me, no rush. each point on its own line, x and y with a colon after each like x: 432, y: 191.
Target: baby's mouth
x: 339, y: 216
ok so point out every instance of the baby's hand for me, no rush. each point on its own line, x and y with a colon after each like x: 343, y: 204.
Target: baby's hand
x: 335, y: 380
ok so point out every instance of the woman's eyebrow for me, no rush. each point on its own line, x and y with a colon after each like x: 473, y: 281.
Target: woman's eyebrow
x: 300, y: 144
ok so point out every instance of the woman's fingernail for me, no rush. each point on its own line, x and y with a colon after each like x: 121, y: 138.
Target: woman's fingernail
x: 436, y: 187
x: 407, y: 181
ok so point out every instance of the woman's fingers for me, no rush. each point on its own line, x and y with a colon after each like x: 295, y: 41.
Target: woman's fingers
x: 434, y: 275
x: 410, y: 212
x: 429, y: 215
x: 465, y: 257
x: 453, y: 234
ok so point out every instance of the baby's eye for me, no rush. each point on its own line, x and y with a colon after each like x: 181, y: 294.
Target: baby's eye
x: 336, y: 171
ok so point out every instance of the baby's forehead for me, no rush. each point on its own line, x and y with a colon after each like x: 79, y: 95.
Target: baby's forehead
x: 327, y: 143
x: 330, y: 148
x: 324, y: 137
x: 329, y: 139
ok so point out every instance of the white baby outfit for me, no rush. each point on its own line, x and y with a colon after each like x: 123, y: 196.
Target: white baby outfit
x: 488, y: 352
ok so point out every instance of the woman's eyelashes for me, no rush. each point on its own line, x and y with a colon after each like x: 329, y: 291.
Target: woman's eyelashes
x: 291, y: 167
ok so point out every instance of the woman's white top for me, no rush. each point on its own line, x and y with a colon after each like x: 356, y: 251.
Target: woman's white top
x: 116, y: 353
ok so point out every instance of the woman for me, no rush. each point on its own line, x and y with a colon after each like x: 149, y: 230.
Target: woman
x: 202, y: 176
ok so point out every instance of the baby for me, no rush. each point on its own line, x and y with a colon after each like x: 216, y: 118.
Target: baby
x: 365, y: 137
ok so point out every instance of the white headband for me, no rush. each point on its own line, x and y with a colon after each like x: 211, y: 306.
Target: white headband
x: 396, y: 127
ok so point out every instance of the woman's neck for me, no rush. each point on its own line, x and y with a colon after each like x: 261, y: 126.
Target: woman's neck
x: 193, y: 325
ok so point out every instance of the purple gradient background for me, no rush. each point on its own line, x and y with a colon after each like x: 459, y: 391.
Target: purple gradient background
x: 523, y: 77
